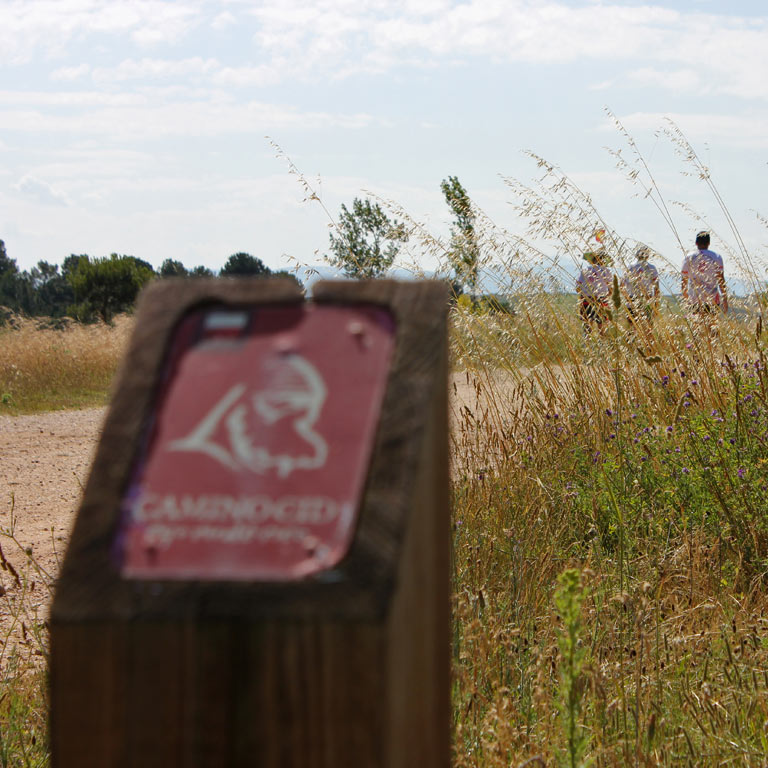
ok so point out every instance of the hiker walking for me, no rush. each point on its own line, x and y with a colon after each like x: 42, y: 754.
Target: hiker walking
x: 703, y: 282
x: 642, y: 291
x: 593, y: 286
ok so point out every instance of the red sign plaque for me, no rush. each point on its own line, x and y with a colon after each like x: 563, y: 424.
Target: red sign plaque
x: 255, y: 459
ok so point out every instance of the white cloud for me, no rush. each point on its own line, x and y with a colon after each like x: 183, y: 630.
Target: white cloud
x: 679, y: 80
x: 317, y: 39
x: 156, y: 69
x: 50, y: 26
x: 40, y: 191
x: 223, y: 20
x: 116, y: 117
x: 249, y: 76
x: 379, y: 34
x: 53, y: 99
x: 603, y: 85
x: 728, y: 130
x: 726, y: 54
x: 70, y: 73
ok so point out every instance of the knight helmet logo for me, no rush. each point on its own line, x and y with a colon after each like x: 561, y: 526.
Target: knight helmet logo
x: 272, y: 428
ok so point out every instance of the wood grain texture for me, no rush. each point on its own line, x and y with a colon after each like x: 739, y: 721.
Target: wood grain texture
x: 418, y: 626
x: 348, y: 671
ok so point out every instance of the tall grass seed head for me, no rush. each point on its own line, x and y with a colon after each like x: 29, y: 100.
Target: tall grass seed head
x: 616, y: 293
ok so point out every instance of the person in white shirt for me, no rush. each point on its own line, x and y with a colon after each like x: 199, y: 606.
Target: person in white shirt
x: 703, y: 282
x: 641, y: 289
x: 593, y: 286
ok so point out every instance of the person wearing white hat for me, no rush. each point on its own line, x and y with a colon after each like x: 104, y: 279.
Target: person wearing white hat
x: 641, y: 289
x: 593, y: 286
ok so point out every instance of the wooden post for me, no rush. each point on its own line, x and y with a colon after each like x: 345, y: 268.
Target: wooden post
x: 234, y: 597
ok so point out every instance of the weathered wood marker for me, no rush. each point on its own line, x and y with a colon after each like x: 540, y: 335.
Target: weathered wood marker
x: 259, y: 571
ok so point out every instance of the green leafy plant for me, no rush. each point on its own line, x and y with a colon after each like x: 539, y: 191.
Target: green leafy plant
x: 568, y: 599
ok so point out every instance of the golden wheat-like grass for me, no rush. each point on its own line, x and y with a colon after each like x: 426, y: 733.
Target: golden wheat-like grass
x: 673, y: 627
x: 45, y: 369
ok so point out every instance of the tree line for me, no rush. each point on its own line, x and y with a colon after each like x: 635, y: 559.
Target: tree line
x: 87, y: 288
x: 363, y: 244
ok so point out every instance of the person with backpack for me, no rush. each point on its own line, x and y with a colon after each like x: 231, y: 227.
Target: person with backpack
x: 593, y: 287
x: 642, y: 291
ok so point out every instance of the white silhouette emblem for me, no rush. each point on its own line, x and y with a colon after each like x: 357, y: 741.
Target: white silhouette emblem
x: 239, y: 430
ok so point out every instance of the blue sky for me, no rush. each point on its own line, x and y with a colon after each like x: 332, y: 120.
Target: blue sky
x: 138, y: 126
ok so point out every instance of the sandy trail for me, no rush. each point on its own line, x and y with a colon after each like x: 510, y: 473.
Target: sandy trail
x: 44, y: 464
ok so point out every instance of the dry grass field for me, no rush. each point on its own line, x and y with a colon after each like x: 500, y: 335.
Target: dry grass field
x: 42, y: 368
x: 610, y: 543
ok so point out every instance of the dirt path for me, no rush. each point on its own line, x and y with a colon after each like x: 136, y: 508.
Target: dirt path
x: 44, y: 463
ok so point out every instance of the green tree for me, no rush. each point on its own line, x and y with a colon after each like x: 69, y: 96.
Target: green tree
x: 106, y: 286
x: 71, y: 263
x: 243, y: 264
x: 9, y: 279
x: 465, y: 249
x: 366, y: 241
x: 201, y: 271
x: 52, y: 294
x: 284, y: 274
x: 172, y: 268
x: 140, y: 263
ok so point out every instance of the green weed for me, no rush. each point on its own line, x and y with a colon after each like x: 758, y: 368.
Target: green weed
x: 23, y: 654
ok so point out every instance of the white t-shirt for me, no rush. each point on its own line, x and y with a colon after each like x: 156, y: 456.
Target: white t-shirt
x: 641, y: 280
x: 595, y: 282
x: 703, y: 270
